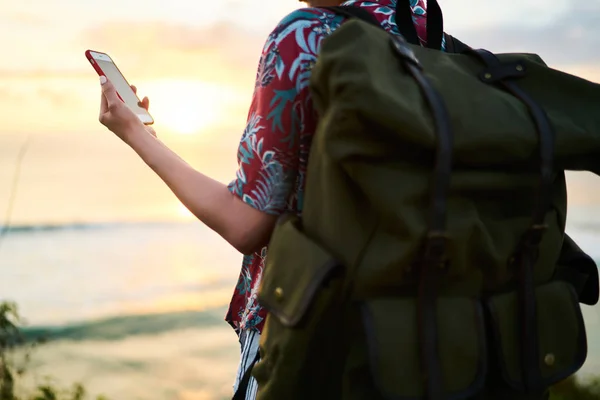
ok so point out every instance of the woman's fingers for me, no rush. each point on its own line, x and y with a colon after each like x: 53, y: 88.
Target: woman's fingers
x: 145, y: 103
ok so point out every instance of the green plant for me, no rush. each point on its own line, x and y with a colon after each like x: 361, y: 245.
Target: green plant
x: 11, y: 370
x: 574, y: 388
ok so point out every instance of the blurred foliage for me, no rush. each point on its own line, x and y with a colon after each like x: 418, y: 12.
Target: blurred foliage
x: 577, y: 389
x: 13, y: 365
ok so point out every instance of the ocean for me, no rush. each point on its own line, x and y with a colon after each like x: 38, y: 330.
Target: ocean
x: 136, y: 311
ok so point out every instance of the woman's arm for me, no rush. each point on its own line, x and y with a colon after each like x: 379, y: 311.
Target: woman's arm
x: 244, y: 212
x: 243, y: 226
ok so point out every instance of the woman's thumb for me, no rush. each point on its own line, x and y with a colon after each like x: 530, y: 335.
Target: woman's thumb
x: 109, y: 91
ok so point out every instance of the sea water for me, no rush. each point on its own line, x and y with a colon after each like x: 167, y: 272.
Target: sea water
x: 136, y: 311
x: 133, y: 311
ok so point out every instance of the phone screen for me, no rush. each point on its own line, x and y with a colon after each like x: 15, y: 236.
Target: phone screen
x: 110, y: 70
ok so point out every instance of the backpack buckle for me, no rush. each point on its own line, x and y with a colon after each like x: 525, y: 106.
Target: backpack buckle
x: 401, y: 47
x: 529, y: 245
x: 435, y: 253
x: 534, y: 235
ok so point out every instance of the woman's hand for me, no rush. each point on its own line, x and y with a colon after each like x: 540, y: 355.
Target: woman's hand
x: 145, y: 103
x: 116, y: 115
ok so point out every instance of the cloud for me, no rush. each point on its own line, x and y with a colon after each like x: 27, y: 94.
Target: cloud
x: 26, y: 18
x: 571, y: 37
x: 563, y: 32
x: 151, y: 39
x: 490, y: 13
x: 44, y: 74
x: 10, y: 95
x: 219, y: 53
x: 57, y: 97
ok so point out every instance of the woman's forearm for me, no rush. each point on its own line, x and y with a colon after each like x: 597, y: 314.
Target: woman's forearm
x: 246, y: 228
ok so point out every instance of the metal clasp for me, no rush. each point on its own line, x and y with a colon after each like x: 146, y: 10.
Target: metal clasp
x: 402, y: 48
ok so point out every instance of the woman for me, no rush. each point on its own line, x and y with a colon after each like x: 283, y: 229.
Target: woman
x: 273, y: 152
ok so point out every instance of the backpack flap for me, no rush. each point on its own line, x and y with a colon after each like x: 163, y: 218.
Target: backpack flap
x: 561, y: 343
x: 300, y: 288
x: 296, y: 269
x: 391, y: 332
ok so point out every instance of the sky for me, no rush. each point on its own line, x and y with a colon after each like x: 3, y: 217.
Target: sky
x: 196, y: 60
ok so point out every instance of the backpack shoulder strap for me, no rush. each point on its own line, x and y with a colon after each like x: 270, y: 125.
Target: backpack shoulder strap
x: 355, y: 12
x: 453, y: 45
x: 435, y: 23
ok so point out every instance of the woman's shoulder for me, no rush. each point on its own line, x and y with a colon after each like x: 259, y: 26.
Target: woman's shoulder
x: 321, y: 22
x: 317, y: 20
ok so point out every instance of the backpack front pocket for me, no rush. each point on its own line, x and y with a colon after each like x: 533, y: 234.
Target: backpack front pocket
x: 561, y: 337
x: 391, y: 331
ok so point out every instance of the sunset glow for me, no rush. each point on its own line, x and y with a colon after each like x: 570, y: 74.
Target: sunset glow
x: 196, y: 61
x: 183, y: 213
x: 183, y: 107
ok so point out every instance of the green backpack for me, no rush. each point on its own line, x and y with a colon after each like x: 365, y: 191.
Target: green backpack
x: 431, y: 260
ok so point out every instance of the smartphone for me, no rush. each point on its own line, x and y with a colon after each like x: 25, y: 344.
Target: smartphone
x: 104, y: 65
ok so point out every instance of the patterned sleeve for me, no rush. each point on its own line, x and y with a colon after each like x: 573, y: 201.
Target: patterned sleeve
x: 268, y: 152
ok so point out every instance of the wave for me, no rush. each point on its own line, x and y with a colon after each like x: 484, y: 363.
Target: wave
x: 581, y: 225
x: 120, y: 327
x: 584, y: 226
x: 25, y: 228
